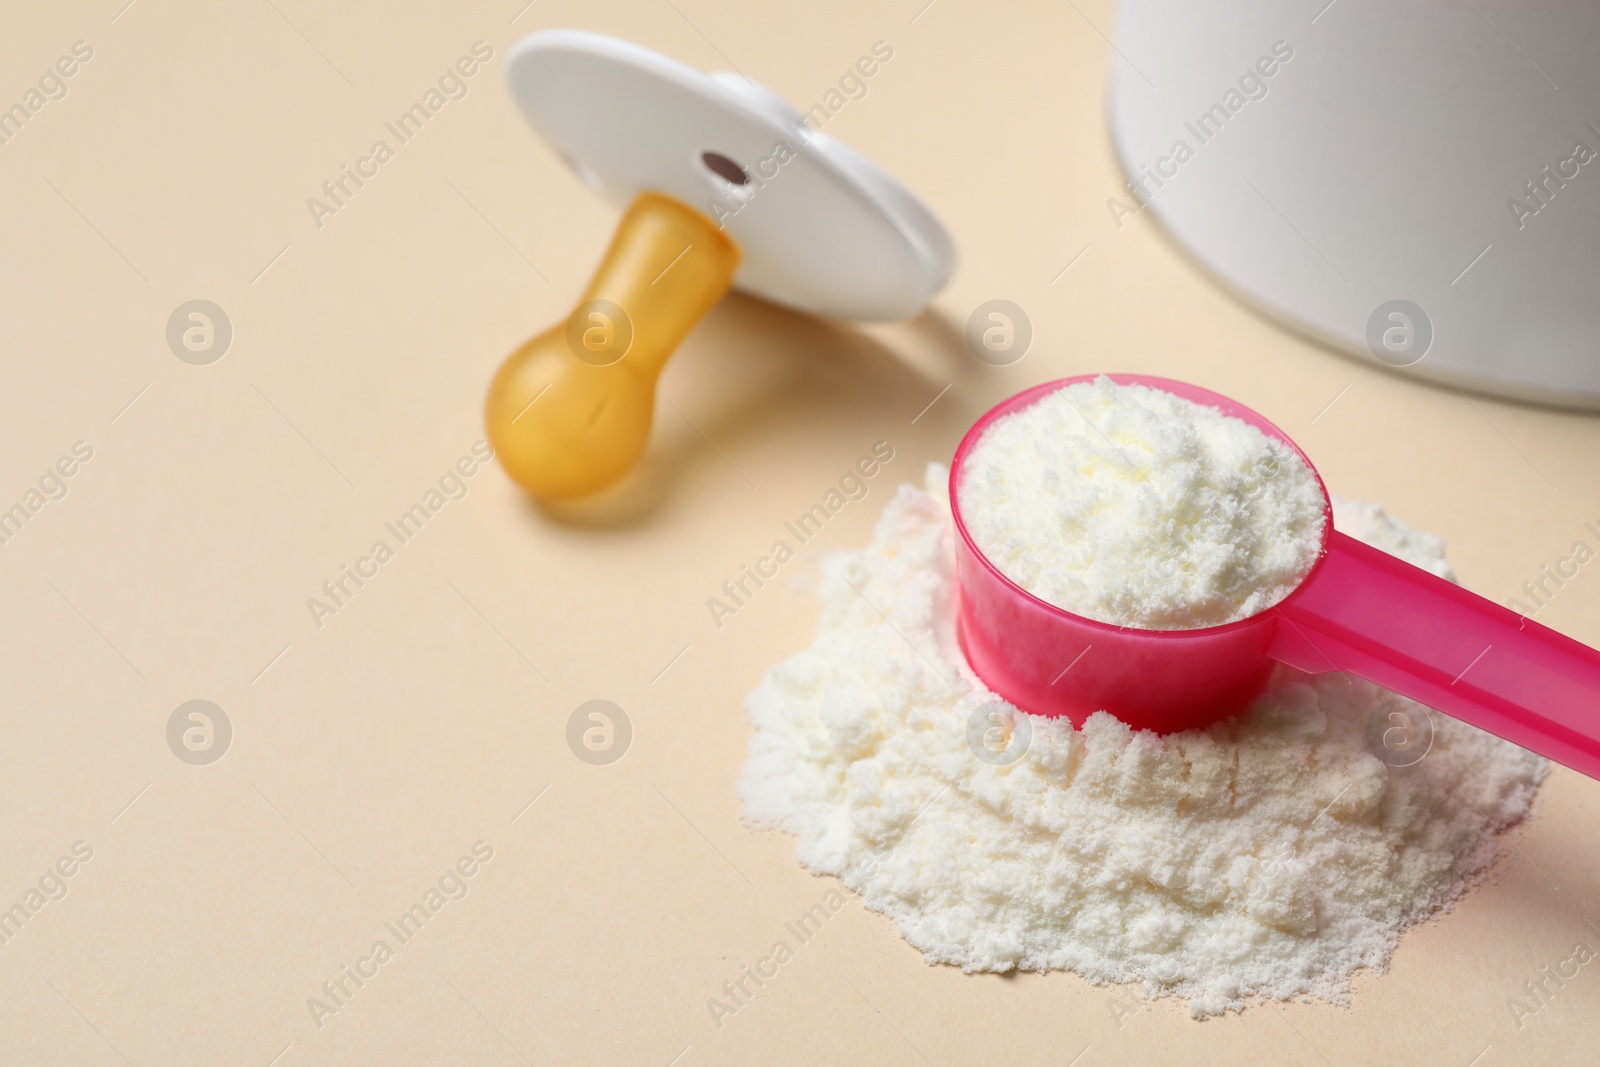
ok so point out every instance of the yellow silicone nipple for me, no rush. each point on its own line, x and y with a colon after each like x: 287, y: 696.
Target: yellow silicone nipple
x: 569, y: 412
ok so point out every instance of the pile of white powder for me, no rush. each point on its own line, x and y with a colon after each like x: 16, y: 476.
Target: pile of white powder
x: 1133, y: 506
x: 1270, y: 856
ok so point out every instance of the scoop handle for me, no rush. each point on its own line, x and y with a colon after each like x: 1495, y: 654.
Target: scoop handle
x: 1378, y: 617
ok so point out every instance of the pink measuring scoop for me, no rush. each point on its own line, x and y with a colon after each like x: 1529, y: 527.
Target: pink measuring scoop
x: 1358, y: 610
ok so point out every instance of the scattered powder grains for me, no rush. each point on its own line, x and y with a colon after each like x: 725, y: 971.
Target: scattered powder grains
x: 1132, y: 506
x: 1268, y: 856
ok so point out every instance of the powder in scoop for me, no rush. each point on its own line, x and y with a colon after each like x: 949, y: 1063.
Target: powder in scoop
x: 1135, y: 507
x: 1272, y: 855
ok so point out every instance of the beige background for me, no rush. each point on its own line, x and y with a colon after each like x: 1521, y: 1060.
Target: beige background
x: 370, y: 753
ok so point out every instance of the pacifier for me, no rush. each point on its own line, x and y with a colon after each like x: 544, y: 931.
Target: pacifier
x: 1358, y: 610
x: 722, y: 184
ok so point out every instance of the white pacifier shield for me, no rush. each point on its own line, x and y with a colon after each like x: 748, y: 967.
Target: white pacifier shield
x: 822, y: 229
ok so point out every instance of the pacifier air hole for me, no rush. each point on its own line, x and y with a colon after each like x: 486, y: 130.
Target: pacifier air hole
x: 724, y: 168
